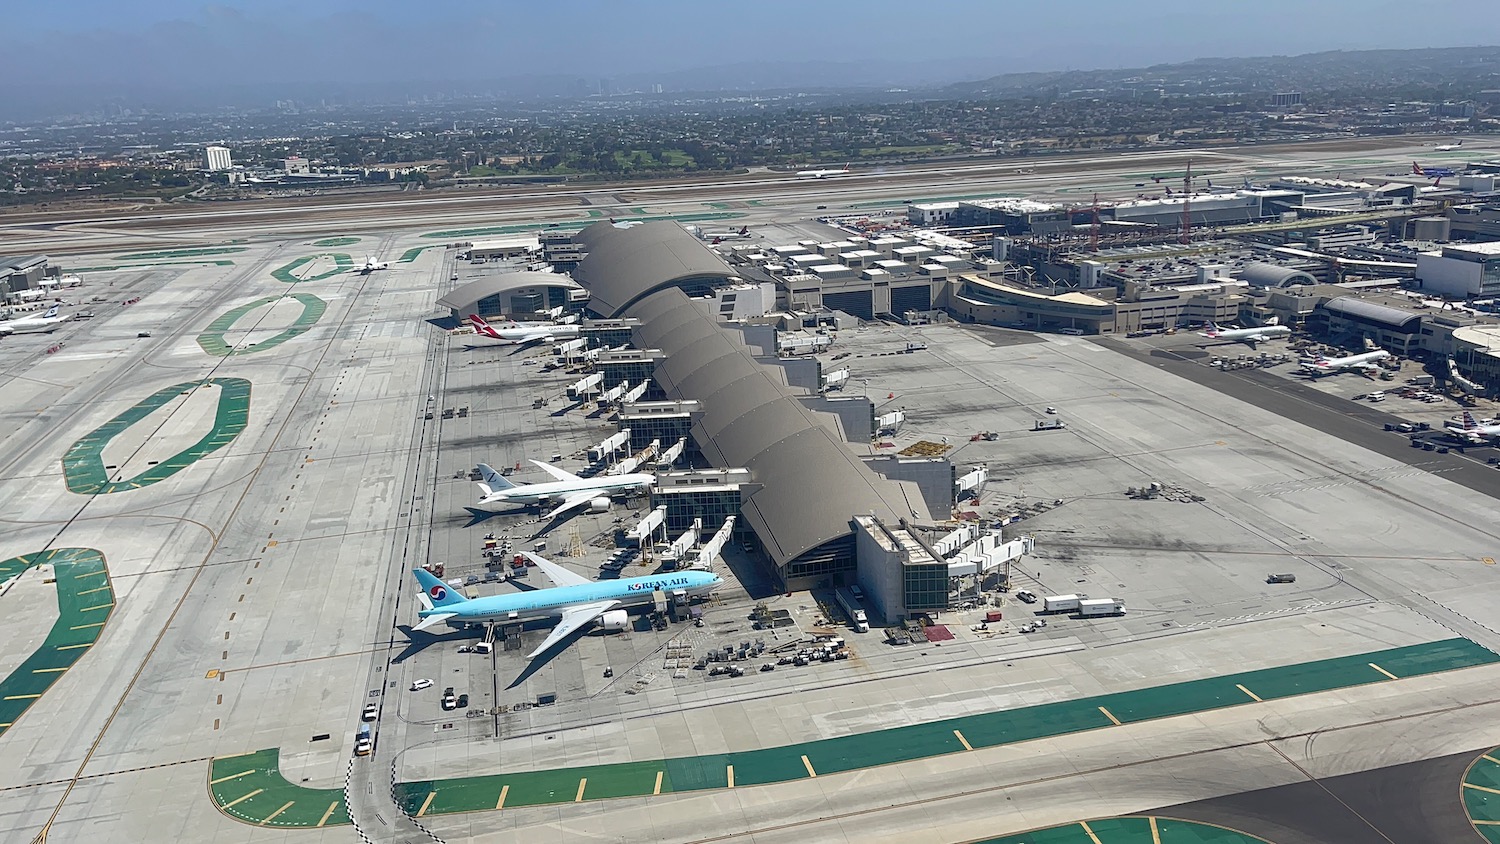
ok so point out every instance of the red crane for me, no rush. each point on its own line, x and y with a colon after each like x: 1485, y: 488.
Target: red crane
x: 1186, y: 235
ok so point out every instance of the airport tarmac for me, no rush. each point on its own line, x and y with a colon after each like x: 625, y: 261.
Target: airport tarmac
x: 258, y: 587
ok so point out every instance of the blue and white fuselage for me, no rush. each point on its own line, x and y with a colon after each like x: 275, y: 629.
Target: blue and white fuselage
x: 576, y: 600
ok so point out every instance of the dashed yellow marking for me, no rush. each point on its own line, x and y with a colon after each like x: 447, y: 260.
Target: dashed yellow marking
x: 1092, y: 837
x: 425, y: 803
x: 1489, y: 758
x: 1112, y: 720
x: 234, y: 756
x: 100, y: 607
x: 48, y: 670
x: 1383, y: 671
x: 95, y: 589
x: 806, y: 763
x: 1482, y: 788
x: 232, y: 777
x: 500, y: 804
x: 239, y: 800
x: 1484, y: 823
x: 578, y: 798
x: 963, y: 741
x: 1253, y: 696
x: 87, y: 626
x: 328, y: 814
x: 22, y: 697
x: 731, y: 776
x: 1155, y: 833
x: 657, y: 788
x: 212, y: 673
x: 74, y: 647
x: 272, y: 816
x: 88, y: 574
x: 1489, y: 561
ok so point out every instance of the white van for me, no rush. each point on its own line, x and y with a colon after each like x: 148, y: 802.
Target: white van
x: 1072, y: 332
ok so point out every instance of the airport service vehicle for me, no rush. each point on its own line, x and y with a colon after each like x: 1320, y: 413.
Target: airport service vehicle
x: 574, y: 600
x: 523, y: 333
x: 1062, y: 603
x: 44, y: 323
x: 371, y: 265
x: 1364, y: 362
x: 1026, y: 596
x: 1094, y: 607
x: 856, y: 613
x: 369, y: 713
x: 1247, y: 335
x: 1473, y: 430
x: 1281, y: 578
x: 567, y: 492
x: 823, y: 174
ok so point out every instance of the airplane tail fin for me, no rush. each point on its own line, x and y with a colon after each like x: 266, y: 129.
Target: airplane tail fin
x: 744, y: 230
x: 52, y: 312
x: 440, y: 593
x: 493, y: 480
x: 1275, y: 320
x: 1469, y: 422
x: 1416, y: 169
x: 480, y: 326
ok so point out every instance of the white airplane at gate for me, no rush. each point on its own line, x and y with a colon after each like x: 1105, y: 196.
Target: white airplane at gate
x: 1270, y: 330
x: 1328, y: 366
x: 567, y: 492
x: 1473, y: 430
x: 37, y: 323
x: 522, y: 333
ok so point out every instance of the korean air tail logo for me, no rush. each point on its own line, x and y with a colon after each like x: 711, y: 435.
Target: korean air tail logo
x: 438, y: 592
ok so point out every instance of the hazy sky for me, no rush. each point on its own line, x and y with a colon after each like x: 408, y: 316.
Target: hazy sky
x: 162, y: 45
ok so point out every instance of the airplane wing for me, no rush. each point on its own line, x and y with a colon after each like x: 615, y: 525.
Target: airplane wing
x: 556, y: 573
x: 573, y: 618
x: 555, y: 472
x: 431, y: 620
x: 574, y: 501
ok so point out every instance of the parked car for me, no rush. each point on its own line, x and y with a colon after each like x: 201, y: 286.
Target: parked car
x: 369, y: 713
x: 421, y: 684
x: 1026, y: 596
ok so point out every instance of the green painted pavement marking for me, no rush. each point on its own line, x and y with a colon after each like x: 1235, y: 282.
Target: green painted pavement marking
x: 184, y: 253
x: 113, y: 267
x: 79, y: 590
x: 927, y: 740
x: 1480, y: 792
x: 83, y: 464
x: 1131, y: 830
x: 336, y: 241
x: 250, y: 788
x: 212, y: 339
x: 288, y: 272
x: 571, y: 225
x: 411, y: 254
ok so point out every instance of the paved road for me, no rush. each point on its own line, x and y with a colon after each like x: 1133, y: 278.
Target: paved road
x: 1360, y: 424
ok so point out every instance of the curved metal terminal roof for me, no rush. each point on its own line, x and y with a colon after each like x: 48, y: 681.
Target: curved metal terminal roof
x: 626, y: 264
x: 1393, y: 319
x: 1275, y: 275
x: 808, y: 485
x: 464, y: 297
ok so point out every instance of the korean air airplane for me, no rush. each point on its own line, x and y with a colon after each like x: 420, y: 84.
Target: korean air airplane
x: 574, y: 600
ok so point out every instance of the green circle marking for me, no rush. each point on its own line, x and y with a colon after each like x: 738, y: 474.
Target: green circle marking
x: 212, y: 340
x: 1480, y: 792
x: 288, y: 273
x: 336, y: 241
x: 83, y: 465
x: 85, y: 599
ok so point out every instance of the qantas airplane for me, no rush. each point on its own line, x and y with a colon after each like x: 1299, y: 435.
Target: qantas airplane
x: 574, y: 600
x: 522, y: 333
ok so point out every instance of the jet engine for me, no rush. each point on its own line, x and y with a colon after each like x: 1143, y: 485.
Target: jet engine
x: 614, y: 621
x: 599, y: 505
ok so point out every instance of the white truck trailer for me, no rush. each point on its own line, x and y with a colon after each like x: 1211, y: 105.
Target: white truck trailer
x: 1062, y: 603
x: 1095, y: 607
x: 852, y: 609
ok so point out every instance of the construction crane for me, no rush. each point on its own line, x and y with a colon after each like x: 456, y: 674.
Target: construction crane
x: 1094, y: 230
x: 1186, y: 235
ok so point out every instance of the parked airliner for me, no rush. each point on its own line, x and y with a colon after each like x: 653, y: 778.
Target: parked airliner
x: 567, y: 492
x: 1329, y: 366
x: 1247, y: 335
x: 575, y: 600
x: 522, y: 333
x: 37, y: 323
